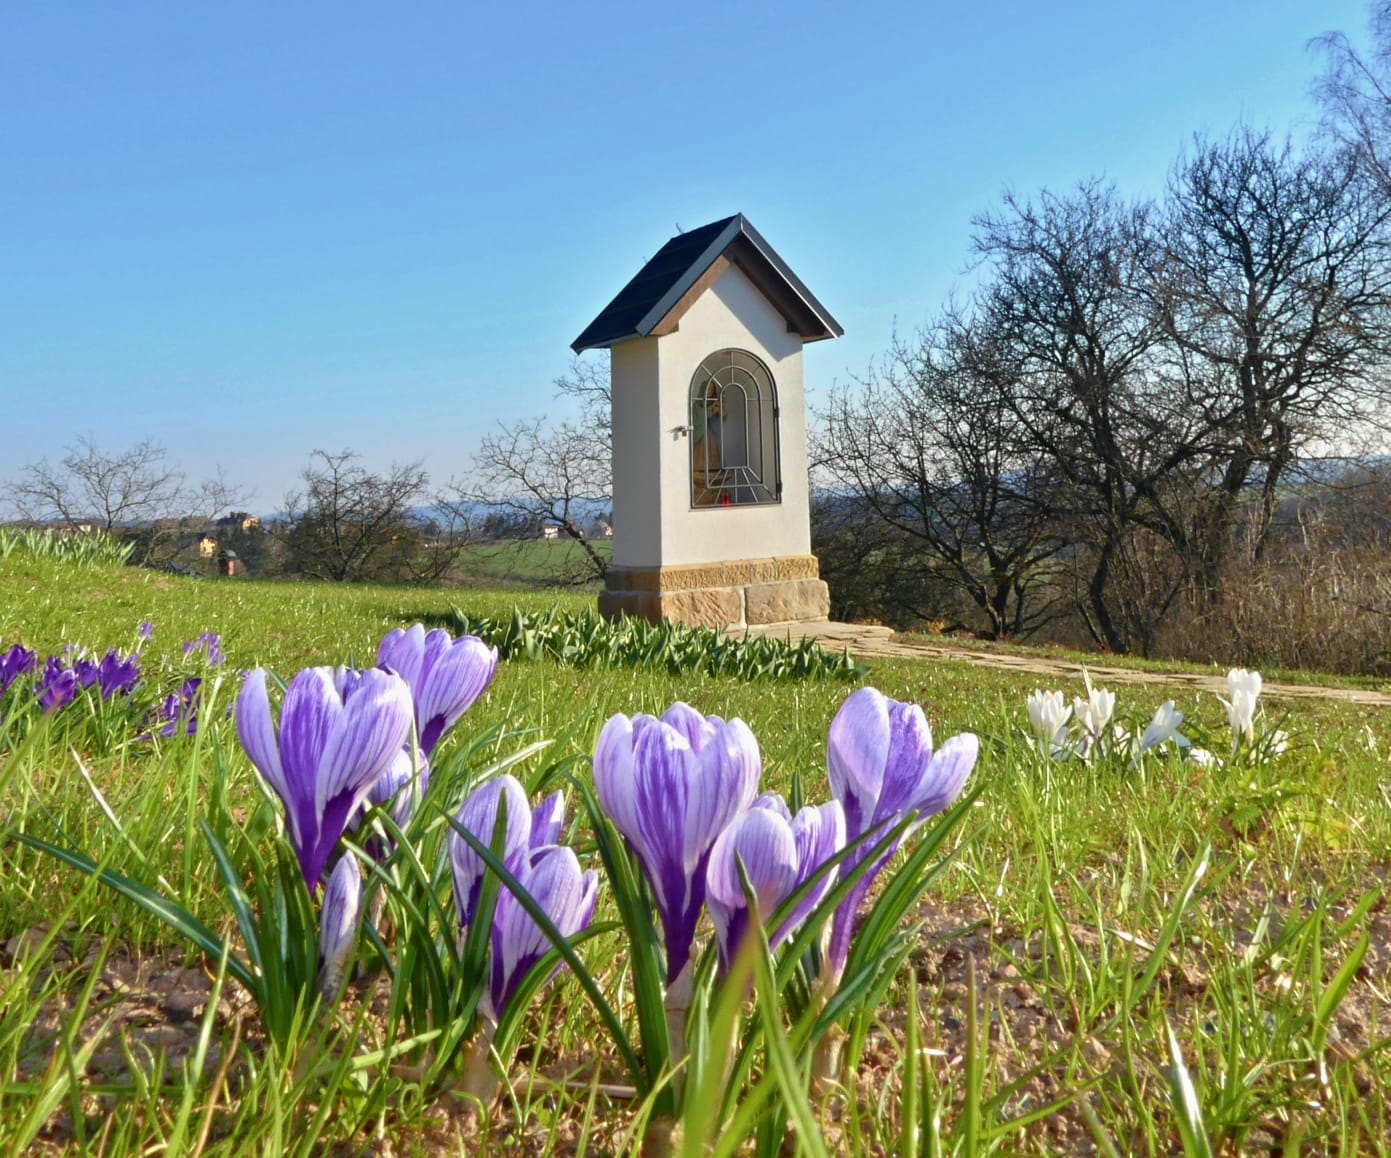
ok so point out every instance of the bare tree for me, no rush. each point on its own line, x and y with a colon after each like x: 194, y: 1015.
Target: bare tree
x: 108, y: 490
x: 539, y: 471
x: 136, y: 493
x: 1356, y: 93
x: 1273, y: 289
x: 350, y: 524
x: 1067, y: 332
x: 932, y: 450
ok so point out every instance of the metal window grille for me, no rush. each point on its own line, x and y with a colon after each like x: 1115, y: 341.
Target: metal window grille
x: 734, y: 432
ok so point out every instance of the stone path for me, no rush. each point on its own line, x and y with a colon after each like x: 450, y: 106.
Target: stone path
x: 871, y: 642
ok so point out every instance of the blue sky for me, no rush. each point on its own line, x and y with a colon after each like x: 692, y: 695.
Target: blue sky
x: 253, y: 232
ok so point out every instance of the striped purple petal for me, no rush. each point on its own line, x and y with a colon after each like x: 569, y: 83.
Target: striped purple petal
x: 820, y: 834
x: 479, y: 815
x: 564, y: 893
x: 338, y: 922
x: 547, y: 821
x: 763, y: 842
x: 671, y: 786
x: 857, y: 750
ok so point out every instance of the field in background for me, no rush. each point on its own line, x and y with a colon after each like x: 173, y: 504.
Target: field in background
x: 1257, y: 884
x: 530, y: 562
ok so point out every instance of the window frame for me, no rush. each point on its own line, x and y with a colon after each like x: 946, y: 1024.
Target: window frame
x: 767, y: 436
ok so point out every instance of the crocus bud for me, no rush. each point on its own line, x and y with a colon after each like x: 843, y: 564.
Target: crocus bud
x: 445, y: 675
x: 338, y: 923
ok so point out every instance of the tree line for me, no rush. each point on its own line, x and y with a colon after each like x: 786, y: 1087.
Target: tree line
x: 1113, y: 422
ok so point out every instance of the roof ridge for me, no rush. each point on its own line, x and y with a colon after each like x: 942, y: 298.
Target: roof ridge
x: 663, y: 281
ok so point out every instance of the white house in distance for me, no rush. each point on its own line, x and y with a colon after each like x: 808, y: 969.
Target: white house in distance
x: 711, y: 512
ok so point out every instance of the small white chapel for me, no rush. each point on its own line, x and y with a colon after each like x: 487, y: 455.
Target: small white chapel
x: 711, y: 510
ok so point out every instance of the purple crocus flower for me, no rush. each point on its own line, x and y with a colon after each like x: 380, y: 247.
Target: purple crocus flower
x: 145, y: 630
x: 552, y: 876
x: 339, y: 732
x: 338, y: 923
x: 670, y: 786
x: 445, y: 675
x: 58, y: 687
x: 526, y: 833
x: 549, y: 873
x: 209, y: 641
x: 178, y: 713
x: 15, y: 661
x: 117, y: 674
x: 779, y: 853
x: 882, y: 767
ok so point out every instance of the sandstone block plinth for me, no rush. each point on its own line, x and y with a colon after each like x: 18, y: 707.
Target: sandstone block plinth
x: 783, y: 589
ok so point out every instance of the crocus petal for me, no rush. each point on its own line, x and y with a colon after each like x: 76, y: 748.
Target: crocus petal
x: 763, y: 842
x: 690, y: 723
x: 311, y: 711
x: 454, y: 674
x: 547, y: 820
x: 1164, y: 727
x: 666, y: 775
x: 564, y: 893
x: 338, y: 922
x: 256, y: 731
x: 399, y: 773
x: 776, y: 803
x: 478, y: 814
x: 403, y: 651
x: 820, y: 834
x: 730, y: 767
x: 613, y: 775
x: 857, y: 750
x: 945, y: 775
x: 910, y: 750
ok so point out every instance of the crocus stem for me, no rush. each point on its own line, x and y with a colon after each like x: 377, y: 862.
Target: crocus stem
x: 662, y: 1138
x: 825, y: 1062
x: 677, y: 1005
x: 478, y: 1079
x: 826, y: 1058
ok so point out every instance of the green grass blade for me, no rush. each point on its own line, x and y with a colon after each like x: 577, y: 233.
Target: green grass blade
x: 178, y: 919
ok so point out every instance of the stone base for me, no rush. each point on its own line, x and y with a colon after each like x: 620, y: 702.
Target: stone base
x: 740, y: 593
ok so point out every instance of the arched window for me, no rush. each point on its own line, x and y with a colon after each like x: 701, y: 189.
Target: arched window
x: 734, y: 432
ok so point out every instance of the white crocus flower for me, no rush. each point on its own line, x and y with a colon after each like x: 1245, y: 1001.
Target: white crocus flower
x: 1048, y: 715
x: 1164, y: 728
x: 1239, y: 679
x: 1092, y: 714
x: 1244, y: 687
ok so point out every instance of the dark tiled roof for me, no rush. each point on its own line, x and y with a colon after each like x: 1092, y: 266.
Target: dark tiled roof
x: 660, y: 284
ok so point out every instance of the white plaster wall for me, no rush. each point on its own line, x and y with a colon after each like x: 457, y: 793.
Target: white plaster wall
x: 732, y: 312
x: 637, y: 445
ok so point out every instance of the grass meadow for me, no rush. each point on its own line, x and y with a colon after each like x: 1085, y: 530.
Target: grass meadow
x: 1115, y: 957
